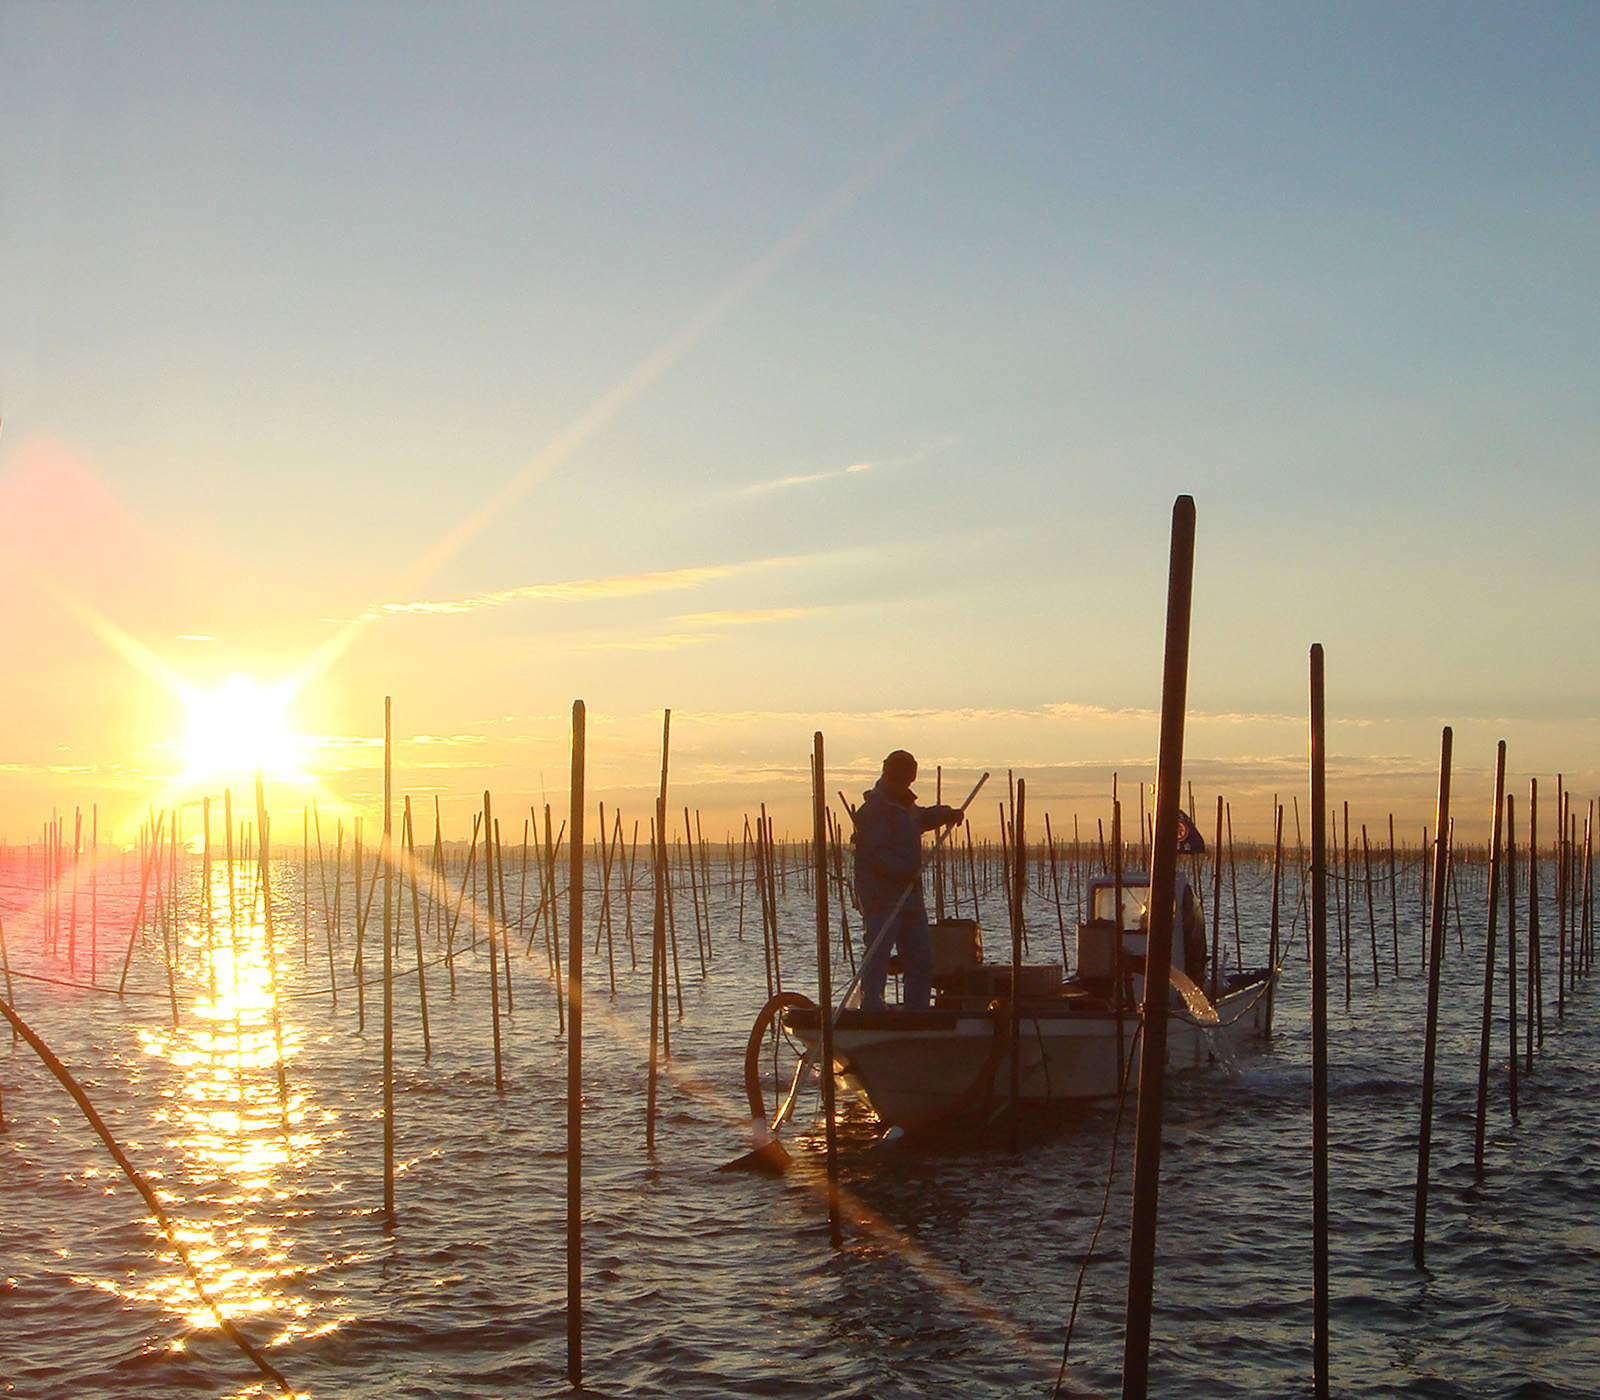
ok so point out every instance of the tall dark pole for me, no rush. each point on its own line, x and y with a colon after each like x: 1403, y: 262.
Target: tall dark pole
x: 575, y: 1056
x: 388, y: 964
x: 658, y: 944
x: 1488, y: 957
x: 819, y: 857
x: 1158, y: 957
x: 1430, y: 1035
x: 1317, y: 947
x: 1019, y: 880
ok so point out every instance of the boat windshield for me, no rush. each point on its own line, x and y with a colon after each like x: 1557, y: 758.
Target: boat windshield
x: 1135, y: 905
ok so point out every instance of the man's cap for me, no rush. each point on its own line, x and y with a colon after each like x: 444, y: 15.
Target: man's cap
x: 900, y: 765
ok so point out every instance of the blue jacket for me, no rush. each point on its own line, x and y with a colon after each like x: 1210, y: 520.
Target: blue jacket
x: 888, y: 841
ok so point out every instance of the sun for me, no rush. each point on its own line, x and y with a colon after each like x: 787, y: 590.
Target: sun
x: 239, y: 729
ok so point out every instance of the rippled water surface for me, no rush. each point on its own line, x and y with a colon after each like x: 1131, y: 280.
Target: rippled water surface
x: 700, y: 1283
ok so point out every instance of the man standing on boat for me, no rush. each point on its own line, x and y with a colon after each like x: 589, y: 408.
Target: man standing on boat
x: 888, y: 842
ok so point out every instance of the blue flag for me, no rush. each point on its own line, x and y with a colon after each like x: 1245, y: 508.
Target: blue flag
x: 1190, y: 841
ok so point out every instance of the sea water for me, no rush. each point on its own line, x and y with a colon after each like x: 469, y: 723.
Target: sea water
x: 956, y: 1276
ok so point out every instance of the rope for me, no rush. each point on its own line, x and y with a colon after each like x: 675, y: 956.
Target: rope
x: 1105, y: 1208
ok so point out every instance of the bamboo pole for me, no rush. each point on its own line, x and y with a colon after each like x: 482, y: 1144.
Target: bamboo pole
x: 1495, y: 817
x: 1535, y: 1017
x: 1233, y: 890
x: 1216, y: 908
x: 1394, y: 897
x: 409, y: 839
x: 1372, y: 918
x: 1441, y: 827
x: 1019, y: 877
x: 386, y: 860
x: 269, y: 933
x: 489, y: 861
x: 1277, y: 887
x: 819, y: 857
x: 1158, y: 954
x: 361, y: 931
x: 505, y: 918
x: 1317, y: 947
x: 575, y: 1055
x: 658, y: 949
x: 1511, y: 950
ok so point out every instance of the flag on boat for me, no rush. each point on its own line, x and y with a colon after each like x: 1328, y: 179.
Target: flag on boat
x: 1190, y: 841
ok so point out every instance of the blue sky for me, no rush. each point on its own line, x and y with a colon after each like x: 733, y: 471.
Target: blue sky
x: 875, y: 340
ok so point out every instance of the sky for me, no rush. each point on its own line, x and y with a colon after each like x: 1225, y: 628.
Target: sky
x: 796, y: 367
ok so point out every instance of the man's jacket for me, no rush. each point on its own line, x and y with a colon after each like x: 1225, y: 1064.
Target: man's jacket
x: 888, y: 841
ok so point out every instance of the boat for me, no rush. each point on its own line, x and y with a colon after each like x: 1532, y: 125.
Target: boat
x: 1077, y: 1037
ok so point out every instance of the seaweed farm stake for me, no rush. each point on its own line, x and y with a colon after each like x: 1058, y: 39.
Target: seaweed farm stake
x: 410, y: 842
x: 1019, y: 875
x: 1535, y: 1017
x: 361, y: 930
x: 386, y: 859
x: 1216, y: 908
x: 1511, y: 947
x: 1055, y: 880
x: 1233, y: 888
x: 1372, y: 918
x: 1158, y: 954
x: 1277, y: 886
x: 489, y: 854
x: 269, y: 928
x: 658, y: 951
x: 1441, y: 827
x: 1317, y: 950
x: 505, y: 918
x: 1488, y: 957
x: 819, y: 857
x: 575, y: 1057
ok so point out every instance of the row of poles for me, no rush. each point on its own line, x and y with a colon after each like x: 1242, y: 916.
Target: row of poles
x: 768, y: 863
x: 1575, y: 961
x: 762, y: 863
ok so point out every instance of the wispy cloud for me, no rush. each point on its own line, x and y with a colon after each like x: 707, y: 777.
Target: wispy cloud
x: 805, y: 479
x: 740, y: 617
x: 582, y: 590
x: 669, y: 641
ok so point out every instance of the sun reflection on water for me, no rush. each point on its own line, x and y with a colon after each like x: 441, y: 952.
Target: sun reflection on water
x: 240, y: 1126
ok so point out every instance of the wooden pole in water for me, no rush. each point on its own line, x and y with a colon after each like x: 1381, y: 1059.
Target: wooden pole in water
x: 658, y: 944
x: 1233, y: 892
x: 1430, y: 1039
x: 1560, y: 854
x: 1372, y: 917
x: 386, y: 855
x: 1317, y: 947
x: 505, y: 918
x: 409, y: 835
x: 1488, y: 957
x: 575, y: 1055
x: 1511, y: 949
x: 1216, y: 908
x: 819, y: 865
x: 1535, y: 1018
x: 490, y: 858
x: 1019, y: 879
x: 1158, y: 956
x: 1394, y: 898
x: 269, y: 932
x: 1277, y: 890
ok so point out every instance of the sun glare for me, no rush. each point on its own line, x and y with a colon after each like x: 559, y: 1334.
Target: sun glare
x: 238, y: 729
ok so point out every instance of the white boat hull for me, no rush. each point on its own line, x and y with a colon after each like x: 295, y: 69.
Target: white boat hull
x: 919, y: 1067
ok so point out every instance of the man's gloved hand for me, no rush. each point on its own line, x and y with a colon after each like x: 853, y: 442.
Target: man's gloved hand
x: 958, y: 818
